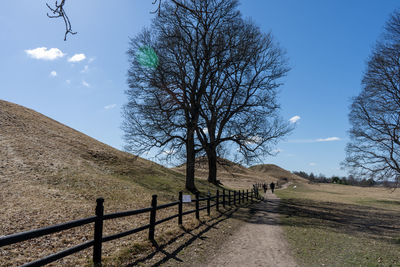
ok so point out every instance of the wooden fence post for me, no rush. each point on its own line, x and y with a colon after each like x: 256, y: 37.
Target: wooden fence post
x: 208, y: 203
x: 229, y: 197
x: 197, y: 206
x: 251, y: 195
x: 247, y: 195
x: 239, y: 197
x: 180, y: 209
x: 234, y: 197
x: 223, y: 198
x: 153, y: 217
x: 98, y: 232
x: 217, y: 207
x: 243, y: 195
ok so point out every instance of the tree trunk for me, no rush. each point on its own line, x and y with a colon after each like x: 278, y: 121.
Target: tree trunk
x: 190, y: 161
x: 212, y: 165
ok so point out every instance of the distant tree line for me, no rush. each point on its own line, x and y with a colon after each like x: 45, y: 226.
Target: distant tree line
x: 345, y: 180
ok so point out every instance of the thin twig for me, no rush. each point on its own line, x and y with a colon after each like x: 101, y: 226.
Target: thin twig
x: 59, y: 11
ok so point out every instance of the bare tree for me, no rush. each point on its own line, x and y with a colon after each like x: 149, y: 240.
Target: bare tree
x: 239, y: 107
x: 171, y: 69
x: 374, y: 149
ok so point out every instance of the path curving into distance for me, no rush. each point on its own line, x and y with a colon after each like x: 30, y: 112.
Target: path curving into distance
x: 259, y: 242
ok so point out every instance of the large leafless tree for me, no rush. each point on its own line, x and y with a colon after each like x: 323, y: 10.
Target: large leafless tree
x: 167, y: 85
x: 374, y: 148
x: 235, y: 95
x: 239, y: 107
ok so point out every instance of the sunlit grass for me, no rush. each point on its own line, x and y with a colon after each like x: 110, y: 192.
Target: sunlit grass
x: 337, y: 225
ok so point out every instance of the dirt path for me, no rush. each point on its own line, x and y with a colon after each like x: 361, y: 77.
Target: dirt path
x: 259, y: 242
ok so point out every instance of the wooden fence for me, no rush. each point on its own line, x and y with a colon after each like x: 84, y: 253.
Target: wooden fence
x: 228, y: 197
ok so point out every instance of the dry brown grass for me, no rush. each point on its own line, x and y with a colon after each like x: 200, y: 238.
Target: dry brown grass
x: 378, y: 197
x: 50, y: 173
x: 277, y: 173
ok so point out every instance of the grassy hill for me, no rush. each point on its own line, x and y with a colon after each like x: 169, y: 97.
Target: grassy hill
x: 237, y: 176
x: 277, y: 173
x: 45, y: 162
x: 230, y: 174
x: 51, y: 173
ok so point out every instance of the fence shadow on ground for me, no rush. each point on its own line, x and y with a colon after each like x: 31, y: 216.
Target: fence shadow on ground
x: 209, y: 224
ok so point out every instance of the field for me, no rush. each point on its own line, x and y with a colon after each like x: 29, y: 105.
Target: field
x: 337, y: 225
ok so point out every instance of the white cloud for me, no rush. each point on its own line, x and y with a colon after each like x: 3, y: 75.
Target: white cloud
x: 294, y: 119
x: 91, y: 59
x: 85, y: 69
x: 68, y: 81
x: 44, y: 53
x: 329, y: 139
x: 84, y: 83
x: 312, y: 164
x: 77, y: 58
x: 111, y: 106
x: 53, y: 73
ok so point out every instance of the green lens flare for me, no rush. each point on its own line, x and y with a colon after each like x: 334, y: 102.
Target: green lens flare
x: 147, y: 57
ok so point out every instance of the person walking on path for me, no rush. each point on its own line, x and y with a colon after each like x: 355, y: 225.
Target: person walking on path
x: 265, y: 188
x: 272, y: 186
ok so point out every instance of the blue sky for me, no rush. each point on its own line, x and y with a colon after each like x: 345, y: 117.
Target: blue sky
x: 81, y: 82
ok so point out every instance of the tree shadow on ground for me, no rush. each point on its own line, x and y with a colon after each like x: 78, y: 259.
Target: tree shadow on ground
x: 204, y: 225
x: 381, y: 224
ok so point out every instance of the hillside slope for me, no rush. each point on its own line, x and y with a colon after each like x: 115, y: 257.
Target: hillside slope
x: 277, y: 173
x: 35, y: 144
x: 43, y: 161
x: 51, y: 173
x: 237, y: 176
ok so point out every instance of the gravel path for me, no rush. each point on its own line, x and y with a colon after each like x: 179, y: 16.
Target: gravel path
x: 259, y: 242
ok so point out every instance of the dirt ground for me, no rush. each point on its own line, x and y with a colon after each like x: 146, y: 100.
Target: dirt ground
x: 258, y: 242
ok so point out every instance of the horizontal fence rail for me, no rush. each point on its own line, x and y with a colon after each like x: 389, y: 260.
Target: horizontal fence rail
x: 23, y: 236
x: 228, y: 197
x: 125, y: 214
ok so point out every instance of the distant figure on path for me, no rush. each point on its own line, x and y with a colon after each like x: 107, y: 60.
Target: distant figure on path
x: 272, y: 186
x: 265, y: 188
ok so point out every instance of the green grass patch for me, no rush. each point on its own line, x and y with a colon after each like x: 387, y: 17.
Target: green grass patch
x: 342, y: 231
